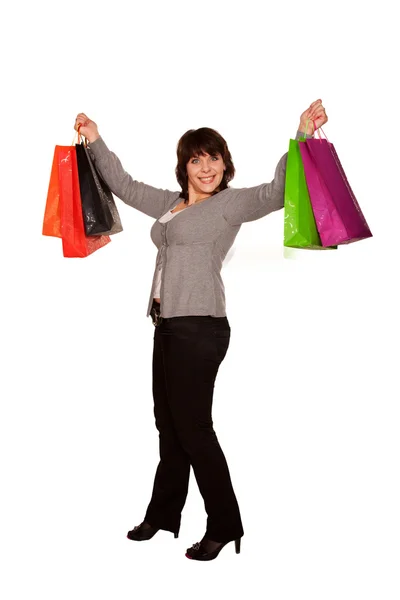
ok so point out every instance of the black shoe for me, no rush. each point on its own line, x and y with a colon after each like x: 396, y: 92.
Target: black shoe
x: 208, y: 550
x: 144, y: 531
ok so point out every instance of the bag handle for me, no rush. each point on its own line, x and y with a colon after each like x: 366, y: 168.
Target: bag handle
x: 319, y: 134
x: 313, y: 124
x: 80, y: 137
x: 320, y: 128
x: 316, y: 130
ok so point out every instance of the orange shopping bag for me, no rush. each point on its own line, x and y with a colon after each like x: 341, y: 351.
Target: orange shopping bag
x: 52, y: 217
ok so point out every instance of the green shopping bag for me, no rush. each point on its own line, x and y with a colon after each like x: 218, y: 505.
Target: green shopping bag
x: 300, y: 230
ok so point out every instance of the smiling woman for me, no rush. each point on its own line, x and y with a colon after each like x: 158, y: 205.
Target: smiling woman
x: 204, y: 166
x: 205, y: 173
x: 192, y: 330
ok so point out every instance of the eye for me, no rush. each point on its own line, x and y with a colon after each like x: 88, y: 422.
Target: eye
x: 194, y: 160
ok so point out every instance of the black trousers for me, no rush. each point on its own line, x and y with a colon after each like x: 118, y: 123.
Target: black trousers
x: 186, y: 357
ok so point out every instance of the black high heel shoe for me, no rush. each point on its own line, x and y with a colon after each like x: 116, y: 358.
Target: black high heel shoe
x: 144, y: 531
x: 199, y: 550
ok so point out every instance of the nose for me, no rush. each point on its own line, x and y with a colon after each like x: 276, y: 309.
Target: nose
x: 205, y: 168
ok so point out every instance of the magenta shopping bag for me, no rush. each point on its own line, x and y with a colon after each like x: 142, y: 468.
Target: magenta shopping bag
x: 337, y: 214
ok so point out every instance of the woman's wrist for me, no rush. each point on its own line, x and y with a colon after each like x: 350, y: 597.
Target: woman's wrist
x: 310, y: 129
x: 92, y: 138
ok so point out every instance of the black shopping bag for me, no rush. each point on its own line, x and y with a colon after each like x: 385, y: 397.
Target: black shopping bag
x: 100, y: 214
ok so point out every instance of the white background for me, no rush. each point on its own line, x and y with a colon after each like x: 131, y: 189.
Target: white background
x: 306, y: 401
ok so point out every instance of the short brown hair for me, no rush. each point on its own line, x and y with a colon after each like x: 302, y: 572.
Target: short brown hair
x: 197, y: 142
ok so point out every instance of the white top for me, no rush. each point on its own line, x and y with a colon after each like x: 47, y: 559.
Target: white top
x: 167, y: 217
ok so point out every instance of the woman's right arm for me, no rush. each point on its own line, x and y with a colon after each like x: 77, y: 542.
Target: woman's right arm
x: 149, y: 200
x: 152, y: 201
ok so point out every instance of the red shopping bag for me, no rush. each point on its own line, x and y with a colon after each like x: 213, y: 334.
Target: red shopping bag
x: 74, y: 240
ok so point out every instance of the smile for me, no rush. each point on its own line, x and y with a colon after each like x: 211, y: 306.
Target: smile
x: 207, y: 179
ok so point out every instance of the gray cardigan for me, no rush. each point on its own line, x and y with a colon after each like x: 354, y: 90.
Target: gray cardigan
x: 193, y: 245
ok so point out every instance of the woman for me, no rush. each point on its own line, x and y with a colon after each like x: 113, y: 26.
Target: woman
x: 194, y: 229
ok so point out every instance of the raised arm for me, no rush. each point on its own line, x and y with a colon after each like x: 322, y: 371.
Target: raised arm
x: 249, y: 204
x: 147, y: 199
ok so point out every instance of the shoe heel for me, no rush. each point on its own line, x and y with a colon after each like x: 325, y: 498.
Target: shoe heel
x: 175, y: 535
x: 237, y: 545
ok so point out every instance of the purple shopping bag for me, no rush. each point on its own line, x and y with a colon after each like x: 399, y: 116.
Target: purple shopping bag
x: 337, y: 214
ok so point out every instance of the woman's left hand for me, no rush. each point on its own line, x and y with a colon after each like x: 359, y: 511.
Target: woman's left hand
x: 315, y: 114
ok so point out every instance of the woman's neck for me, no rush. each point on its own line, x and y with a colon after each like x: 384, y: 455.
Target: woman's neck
x: 196, y: 197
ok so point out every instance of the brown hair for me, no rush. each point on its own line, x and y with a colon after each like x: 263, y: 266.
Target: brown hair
x: 197, y: 142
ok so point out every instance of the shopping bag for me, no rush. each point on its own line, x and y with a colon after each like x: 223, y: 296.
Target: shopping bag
x: 300, y: 230
x: 105, y: 194
x: 75, y: 243
x: 337, y: 213
x: 96, y: 216
x: 52, y: 214
x: 100, y: 215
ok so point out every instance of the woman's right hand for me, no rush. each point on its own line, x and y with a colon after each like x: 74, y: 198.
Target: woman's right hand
x: 88, y: 128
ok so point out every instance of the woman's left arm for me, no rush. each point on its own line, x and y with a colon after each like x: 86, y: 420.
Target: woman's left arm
x: 250, y: 204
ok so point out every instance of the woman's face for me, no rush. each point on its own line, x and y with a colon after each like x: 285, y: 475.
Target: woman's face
x: 205, y: 173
